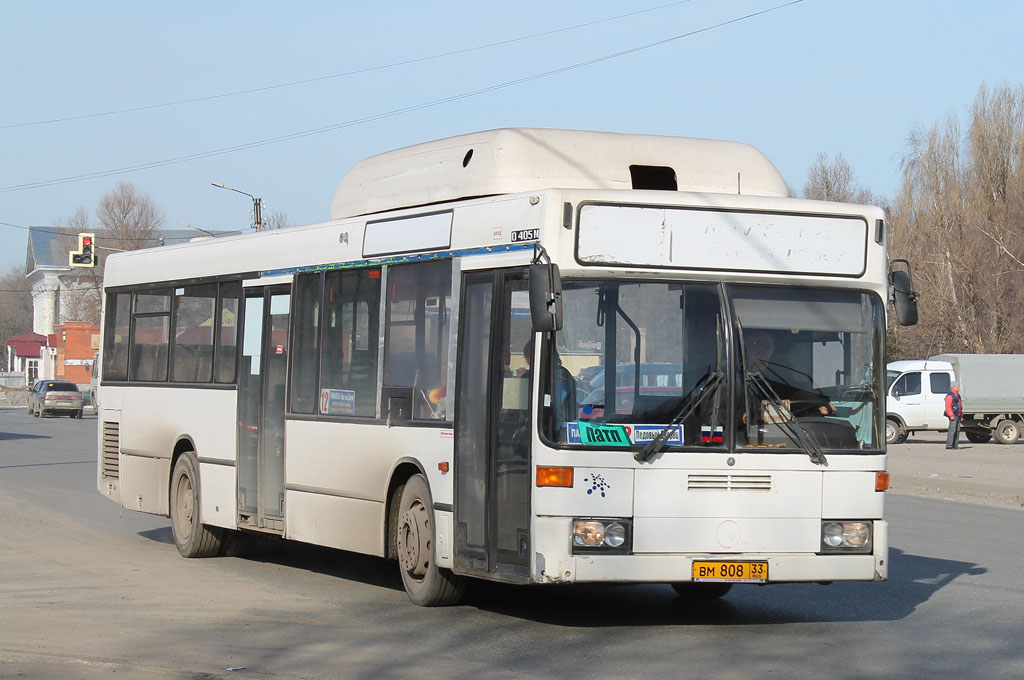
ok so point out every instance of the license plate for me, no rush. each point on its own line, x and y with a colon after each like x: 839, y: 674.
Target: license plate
x: 731, y: 572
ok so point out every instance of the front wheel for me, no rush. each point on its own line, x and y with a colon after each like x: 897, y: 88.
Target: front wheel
x: 193, y: 538
x: 1006, y: 431
x: 426, y: 584
x: 895, y: 433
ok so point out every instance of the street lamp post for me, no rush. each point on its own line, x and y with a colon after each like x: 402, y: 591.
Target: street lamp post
x: 257, y: 203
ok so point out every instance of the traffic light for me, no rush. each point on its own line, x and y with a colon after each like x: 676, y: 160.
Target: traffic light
x: 85, y: 256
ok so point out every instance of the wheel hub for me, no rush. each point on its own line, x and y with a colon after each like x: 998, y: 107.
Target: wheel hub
x: 412, y: 549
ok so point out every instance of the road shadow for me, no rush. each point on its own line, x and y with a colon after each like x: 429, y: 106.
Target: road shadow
x: 11, y: 436
x: 52, y: 464
x: 303, y: 556
x: 913, y: 579
x: 161, y: 535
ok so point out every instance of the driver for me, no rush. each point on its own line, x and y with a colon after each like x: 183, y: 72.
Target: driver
x: 759, y: 346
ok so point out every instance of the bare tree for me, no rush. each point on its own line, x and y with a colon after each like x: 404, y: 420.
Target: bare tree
x: 15, y: 306
x: 130, y: 218
x: 832, y: 180
x: 277, y: 220
x: 959, y: 217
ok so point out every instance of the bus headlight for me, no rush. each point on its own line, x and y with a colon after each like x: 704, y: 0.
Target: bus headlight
x: 845, y: 537
x: 600, y: 535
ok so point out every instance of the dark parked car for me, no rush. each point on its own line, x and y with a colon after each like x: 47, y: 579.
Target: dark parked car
x: 55, y: 396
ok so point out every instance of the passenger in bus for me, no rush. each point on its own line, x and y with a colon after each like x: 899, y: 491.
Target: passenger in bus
x: 759, y: 349
x: 528, y: 356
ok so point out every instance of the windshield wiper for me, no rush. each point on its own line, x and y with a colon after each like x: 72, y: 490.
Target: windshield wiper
x: 788, y: 422
x: 705, y: 386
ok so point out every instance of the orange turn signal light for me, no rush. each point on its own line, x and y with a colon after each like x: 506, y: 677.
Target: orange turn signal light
x: 554, y: 476
x: 881, y: 481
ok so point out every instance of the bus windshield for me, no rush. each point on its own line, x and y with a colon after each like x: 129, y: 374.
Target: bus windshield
x: 805, y: 367
x: 635, y: 357
x: 629, y: 355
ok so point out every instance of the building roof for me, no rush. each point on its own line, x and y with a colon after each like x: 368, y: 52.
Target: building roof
x: 48, y: 247
x: 28, y: 344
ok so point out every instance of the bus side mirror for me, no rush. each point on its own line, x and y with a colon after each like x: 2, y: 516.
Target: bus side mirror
x: 903, y: 296
x: 545, y: 297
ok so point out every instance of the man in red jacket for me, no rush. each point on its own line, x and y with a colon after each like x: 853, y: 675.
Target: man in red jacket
x: 954, y: 412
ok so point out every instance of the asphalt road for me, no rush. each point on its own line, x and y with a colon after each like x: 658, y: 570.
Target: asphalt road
x: 987, y: 474
x: 90, y: 592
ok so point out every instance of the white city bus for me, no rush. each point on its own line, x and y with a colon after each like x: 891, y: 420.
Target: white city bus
x: 534, y: 356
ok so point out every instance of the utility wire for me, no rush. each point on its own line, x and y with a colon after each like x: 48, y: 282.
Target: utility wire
x: 343, y: 74
x: 380, y: 116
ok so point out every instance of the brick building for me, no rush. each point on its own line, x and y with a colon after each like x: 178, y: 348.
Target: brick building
x: 76, y: 343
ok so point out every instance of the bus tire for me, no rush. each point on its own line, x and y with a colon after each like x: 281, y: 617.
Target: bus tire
x: 701, y: 591
x: 426, y: 584
x: 192, y: 538
x: 1006, y: 431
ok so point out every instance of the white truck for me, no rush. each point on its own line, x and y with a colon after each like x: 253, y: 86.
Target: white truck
x: 991, y: 386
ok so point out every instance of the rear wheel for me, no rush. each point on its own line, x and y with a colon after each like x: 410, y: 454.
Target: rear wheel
x: 1006, y: 431
x: 427, y: 584
x: 193, y: 538
x: 978, y: 437
x: 701, y: 591
x: 895, y: 433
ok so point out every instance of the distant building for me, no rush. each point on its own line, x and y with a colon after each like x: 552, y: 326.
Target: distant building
x: 62, y: 293
x: 75, y: 343
x: 46, y: 264
x: 29, y: 354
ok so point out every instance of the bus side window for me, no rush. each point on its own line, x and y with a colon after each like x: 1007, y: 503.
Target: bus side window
x: 227, y: 321
x: 115, y: 350
x: 418, y: 327
x: 302, y: 391
x: 351, y: 332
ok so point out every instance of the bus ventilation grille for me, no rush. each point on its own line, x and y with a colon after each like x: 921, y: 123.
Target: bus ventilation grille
x: 111, y: 446
x: 729, y: 483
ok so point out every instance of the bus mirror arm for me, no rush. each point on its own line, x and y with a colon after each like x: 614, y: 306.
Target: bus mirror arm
x: 545, y: 297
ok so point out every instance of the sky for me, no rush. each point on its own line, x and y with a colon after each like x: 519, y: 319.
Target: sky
x: 163, y: 94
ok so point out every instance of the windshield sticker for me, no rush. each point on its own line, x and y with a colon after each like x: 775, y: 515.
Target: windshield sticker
x: 599, y: 435
x: 589, y: 434
x: 709, y: 436
x: 338, y: 402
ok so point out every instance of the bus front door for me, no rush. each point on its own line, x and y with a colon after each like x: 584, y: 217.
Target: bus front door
x: 492, y: 446
x: 261, y: 409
